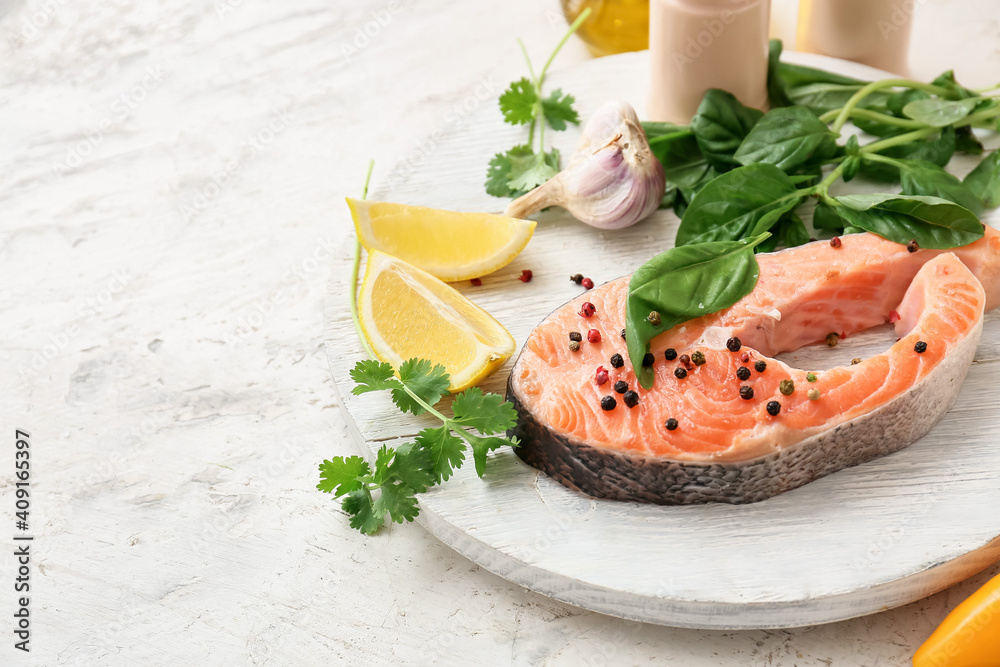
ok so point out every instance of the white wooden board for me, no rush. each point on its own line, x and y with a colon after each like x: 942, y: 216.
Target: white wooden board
x: 857, y: 542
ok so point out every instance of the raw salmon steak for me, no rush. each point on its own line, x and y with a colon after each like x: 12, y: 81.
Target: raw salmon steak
x: 726, y: 445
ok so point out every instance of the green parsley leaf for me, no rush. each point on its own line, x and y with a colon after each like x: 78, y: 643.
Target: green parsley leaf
x: 558, y: 110
x: 498, y: 174
x: 527, y: 173
x: 518, y: 103
x: 483, y: 445
x: 430, y: 384
x: 487, y: 413
x: 398, y: 501
x: 364, y: 515
x: 413, y: 466
x: 341, y: 475
x: 382, y: 459
x: 371, y: 375
x: 446, y: 450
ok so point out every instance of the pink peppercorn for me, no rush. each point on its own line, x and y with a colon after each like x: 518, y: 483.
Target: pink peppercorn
x: 526, y: 276
x: 476, y: 282
x: 835, y: 242
x: 602, y: 375
x: 588, y: 309
x: 744, y: 357
x: 594, y: 336
x: 587, y: 283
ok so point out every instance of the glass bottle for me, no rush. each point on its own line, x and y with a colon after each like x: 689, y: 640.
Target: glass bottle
x: 614, y: 26
x: 700, y: 44
x: 873, y: 32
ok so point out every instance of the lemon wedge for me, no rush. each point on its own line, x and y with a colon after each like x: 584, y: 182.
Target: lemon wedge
x: 406, y: 313
x: 452, y: 246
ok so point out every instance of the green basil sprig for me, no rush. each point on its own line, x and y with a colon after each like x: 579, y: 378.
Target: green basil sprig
x: 684, y: 283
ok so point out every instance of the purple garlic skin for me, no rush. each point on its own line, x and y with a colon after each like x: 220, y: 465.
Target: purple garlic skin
x: 613, y: 180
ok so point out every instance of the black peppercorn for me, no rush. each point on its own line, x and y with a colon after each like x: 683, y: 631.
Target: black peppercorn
x: 743, y: 373
x: 670, y: 354
x: 617, y: 361
x: 631, y: 399
x: 671, y: 424
x: 760, y: 366
x: 773, y: 408
x: 578, y: 278
x: 621, y: 386
x: 920, y: 347
x: 680, y: 373
x: 648, y: 359
x: 575, y: 335
x: 698, y: 358
x: 608, y: 403
x: 623, y: 334
x: 746, y: 393
x: 912, y: 246
x: 734, y: 344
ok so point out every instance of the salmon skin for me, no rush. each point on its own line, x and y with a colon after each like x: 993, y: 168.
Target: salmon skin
x: 728, y: 447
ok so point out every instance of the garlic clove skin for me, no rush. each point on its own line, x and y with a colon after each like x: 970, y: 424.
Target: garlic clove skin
x: 613, y: 180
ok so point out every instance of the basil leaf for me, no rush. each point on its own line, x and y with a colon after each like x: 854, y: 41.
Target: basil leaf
x: 729, y: 206
x: 791, y: 232
x: 897, y: 101
x: 796, y: 76
x: 669, y: 196
x: 933, y: 222
x: 720, y: 125
x: 787, y: 137
x: 955, y: 92
x: 678, y: 152
x: 920, y: 177
x: 938, y: 150
x: 938, y: 112
x: 684, y: 283
x: 656, y: 129
x: 984, y: 180
x: 967, y: 142
x: 851, y: 167
x: 775, y: 85
x: 825, y: 216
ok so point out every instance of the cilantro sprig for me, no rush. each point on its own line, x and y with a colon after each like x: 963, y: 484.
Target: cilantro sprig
x: 522, y: 168
x: 404, y: 471
x: 390, y: 488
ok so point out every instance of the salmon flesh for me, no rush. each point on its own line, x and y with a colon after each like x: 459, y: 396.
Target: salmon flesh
x: 726, y: 447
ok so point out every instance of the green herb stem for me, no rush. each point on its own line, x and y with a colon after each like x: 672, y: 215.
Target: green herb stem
x: 355, y: 268
x: 898, y: 140
x: 875, y: 157
x: 865, y: 91
x: 868, y: 114
x: 584, y: 15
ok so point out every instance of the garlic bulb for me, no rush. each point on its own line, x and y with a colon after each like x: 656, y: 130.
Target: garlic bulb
x: 613, y: 180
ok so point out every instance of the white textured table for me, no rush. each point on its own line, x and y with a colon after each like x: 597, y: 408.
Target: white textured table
x: 171, y: 178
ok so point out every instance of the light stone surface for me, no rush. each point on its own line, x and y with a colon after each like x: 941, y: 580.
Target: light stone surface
x: 163, y: 337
